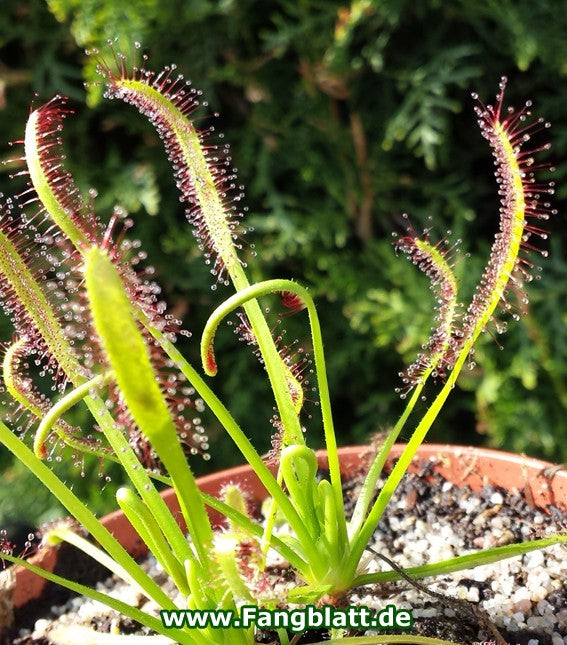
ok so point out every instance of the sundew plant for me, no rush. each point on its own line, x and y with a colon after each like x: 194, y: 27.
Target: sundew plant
x: 88, y: 319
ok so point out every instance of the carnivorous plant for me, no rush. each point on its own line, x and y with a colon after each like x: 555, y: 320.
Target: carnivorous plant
x: 88, y: 318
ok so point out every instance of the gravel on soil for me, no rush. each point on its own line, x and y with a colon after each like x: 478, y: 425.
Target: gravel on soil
x: 428, y: 519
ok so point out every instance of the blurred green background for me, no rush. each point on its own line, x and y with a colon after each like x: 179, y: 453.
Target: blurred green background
x: 341, y: 117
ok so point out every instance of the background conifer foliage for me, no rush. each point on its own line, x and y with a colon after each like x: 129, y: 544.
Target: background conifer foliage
x: 341, y: 116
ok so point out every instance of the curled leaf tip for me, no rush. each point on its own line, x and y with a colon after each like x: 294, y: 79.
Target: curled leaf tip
x: 203, y: 171
x: 210, y: 363
x: 54, y: 186
x: 292, y: 301
x: 435, y: 261
x: 523, y: 200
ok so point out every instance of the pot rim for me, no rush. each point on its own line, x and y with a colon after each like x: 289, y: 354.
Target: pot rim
x: 542, y: 483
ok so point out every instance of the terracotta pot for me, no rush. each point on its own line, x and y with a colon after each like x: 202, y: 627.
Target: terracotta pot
x: 474, y: 467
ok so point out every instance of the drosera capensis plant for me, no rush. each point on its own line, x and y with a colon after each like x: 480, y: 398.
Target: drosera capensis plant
x: 88, y: 319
